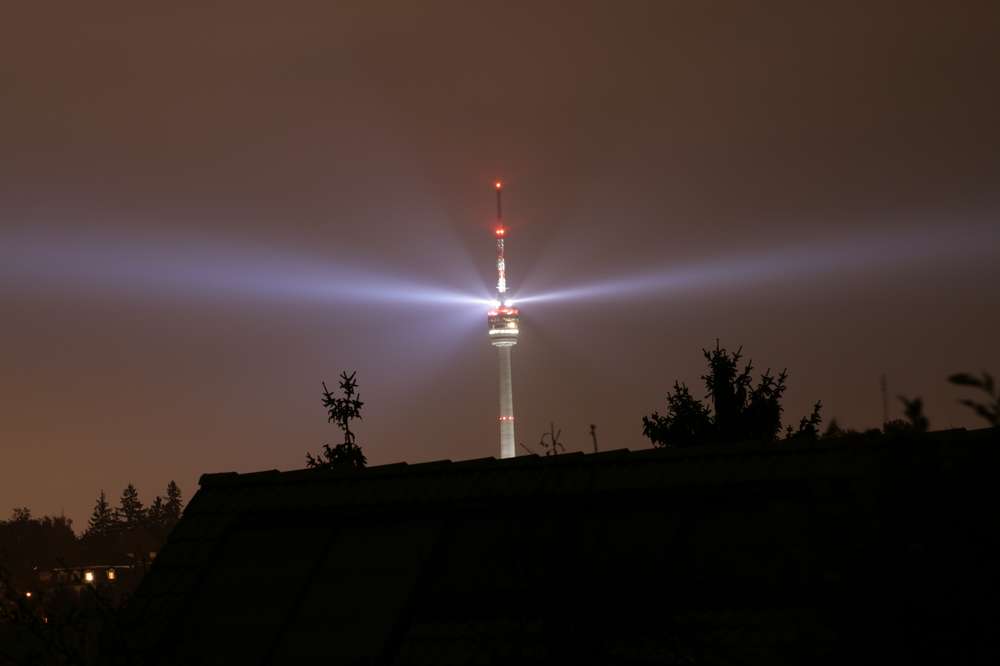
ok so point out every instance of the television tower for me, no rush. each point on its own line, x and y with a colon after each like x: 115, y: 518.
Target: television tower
x: 503, y: 321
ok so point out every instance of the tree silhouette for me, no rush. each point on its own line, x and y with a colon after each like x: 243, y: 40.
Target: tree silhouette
x: 687, y: 422
x: 154, y: 514
x: 348, y: 454
x: 915, y: 421
x: 808, y: 426
x: 913, y: 410
x: 28, y: 543
x: 739, y: 410
x: 989, y: 410
x: 163, y: 514
x: 173, y: 506
x: 553, y: 446
x: 102, y: 520
x: 834, y: 430
x: 130, y: 513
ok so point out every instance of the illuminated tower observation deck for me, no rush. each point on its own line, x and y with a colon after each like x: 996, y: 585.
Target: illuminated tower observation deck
x: 503, y: 325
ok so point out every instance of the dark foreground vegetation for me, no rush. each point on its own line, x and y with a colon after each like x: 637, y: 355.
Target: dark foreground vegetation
x: 60, y: 593
x: 736, y: 410
x: 749, y: 556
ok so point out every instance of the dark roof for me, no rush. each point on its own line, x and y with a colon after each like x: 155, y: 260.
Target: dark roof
x: 741, y: 554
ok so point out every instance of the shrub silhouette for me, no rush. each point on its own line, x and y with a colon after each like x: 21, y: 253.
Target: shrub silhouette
x: 739, y: 411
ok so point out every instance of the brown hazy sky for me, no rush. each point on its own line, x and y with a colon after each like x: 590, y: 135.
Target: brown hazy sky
x: 208, y: 208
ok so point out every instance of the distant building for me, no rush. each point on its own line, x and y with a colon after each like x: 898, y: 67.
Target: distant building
x: 870, y: 550
x: 86, y: 574
x: 111, y: 580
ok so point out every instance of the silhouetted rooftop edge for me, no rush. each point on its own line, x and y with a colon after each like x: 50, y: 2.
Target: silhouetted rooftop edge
x: 738, y: 450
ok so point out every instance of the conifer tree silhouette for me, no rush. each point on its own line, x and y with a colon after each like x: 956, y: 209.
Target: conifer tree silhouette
x: 343, y: 410
x: 102, y: 520
x: 130, y: 513
x: 154, y: 513
x: 173, y: 505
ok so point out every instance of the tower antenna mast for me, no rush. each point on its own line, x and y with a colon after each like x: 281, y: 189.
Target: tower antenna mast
x: 501, y: 232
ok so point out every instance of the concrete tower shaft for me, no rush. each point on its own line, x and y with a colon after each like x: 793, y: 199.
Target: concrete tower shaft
x: 508, y: 448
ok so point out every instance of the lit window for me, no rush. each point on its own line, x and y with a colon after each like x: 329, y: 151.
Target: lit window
x: 88, y: 576
x: 111, y: 574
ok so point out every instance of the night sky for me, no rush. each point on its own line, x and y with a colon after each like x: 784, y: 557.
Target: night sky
x: 209, y: 208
